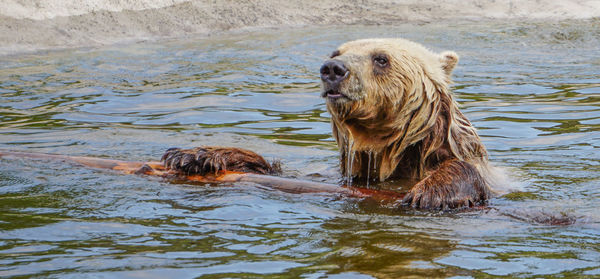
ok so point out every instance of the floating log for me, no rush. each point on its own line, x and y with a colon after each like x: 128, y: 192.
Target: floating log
x: 157, y: 169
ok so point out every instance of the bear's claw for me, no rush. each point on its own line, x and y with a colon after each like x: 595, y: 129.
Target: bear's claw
x: 423, y: 197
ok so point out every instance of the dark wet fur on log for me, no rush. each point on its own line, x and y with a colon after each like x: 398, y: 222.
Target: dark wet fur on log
x: 212, y: 159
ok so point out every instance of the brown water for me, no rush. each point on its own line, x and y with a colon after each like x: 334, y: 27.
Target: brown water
x: 532, y: 89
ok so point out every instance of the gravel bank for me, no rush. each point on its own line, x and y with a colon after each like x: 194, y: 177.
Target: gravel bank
x: 29, y: 25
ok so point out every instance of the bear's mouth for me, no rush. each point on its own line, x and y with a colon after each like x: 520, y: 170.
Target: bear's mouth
x: 334, y: 94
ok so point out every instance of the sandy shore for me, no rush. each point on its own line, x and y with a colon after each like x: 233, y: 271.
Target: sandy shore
x: 28, y: 25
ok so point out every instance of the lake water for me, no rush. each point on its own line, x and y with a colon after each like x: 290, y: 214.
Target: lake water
x: 532, y: 90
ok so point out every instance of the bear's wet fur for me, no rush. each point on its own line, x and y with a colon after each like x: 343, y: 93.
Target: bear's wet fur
x: 212, y: 159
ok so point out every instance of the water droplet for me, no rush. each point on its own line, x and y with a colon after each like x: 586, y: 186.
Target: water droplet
x: 349, y: 161
x: 369, y: 153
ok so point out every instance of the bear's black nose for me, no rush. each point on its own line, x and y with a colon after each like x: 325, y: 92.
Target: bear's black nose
x: 333, y: 71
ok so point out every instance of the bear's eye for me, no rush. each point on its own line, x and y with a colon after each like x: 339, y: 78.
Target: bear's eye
x: 334, y: 54
x: 380, y: 60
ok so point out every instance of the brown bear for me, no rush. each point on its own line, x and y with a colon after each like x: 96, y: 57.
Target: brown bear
x: 393, y: 116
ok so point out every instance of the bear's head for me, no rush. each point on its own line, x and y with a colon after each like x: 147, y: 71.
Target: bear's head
x: 382, y: 66
x: 385, y: 95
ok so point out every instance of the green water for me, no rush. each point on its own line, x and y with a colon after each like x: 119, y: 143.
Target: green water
x: 532, y: 90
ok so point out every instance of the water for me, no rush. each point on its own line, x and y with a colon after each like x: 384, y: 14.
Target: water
x: 532, y: 90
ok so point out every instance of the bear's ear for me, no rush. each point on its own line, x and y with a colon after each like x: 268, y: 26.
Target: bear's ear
x: 449, y: 60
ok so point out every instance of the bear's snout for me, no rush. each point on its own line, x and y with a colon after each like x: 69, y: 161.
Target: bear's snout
x: 333, y: 72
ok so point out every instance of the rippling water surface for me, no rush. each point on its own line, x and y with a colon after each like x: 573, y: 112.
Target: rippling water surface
x: 532, y: 90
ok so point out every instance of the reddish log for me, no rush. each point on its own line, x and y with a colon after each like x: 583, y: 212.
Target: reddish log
x: 157, y: 169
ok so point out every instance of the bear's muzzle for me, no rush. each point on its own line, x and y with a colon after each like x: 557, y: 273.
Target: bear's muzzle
x: 333, y: 72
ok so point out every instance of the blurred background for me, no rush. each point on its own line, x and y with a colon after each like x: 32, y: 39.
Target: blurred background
x: 46, y: 24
